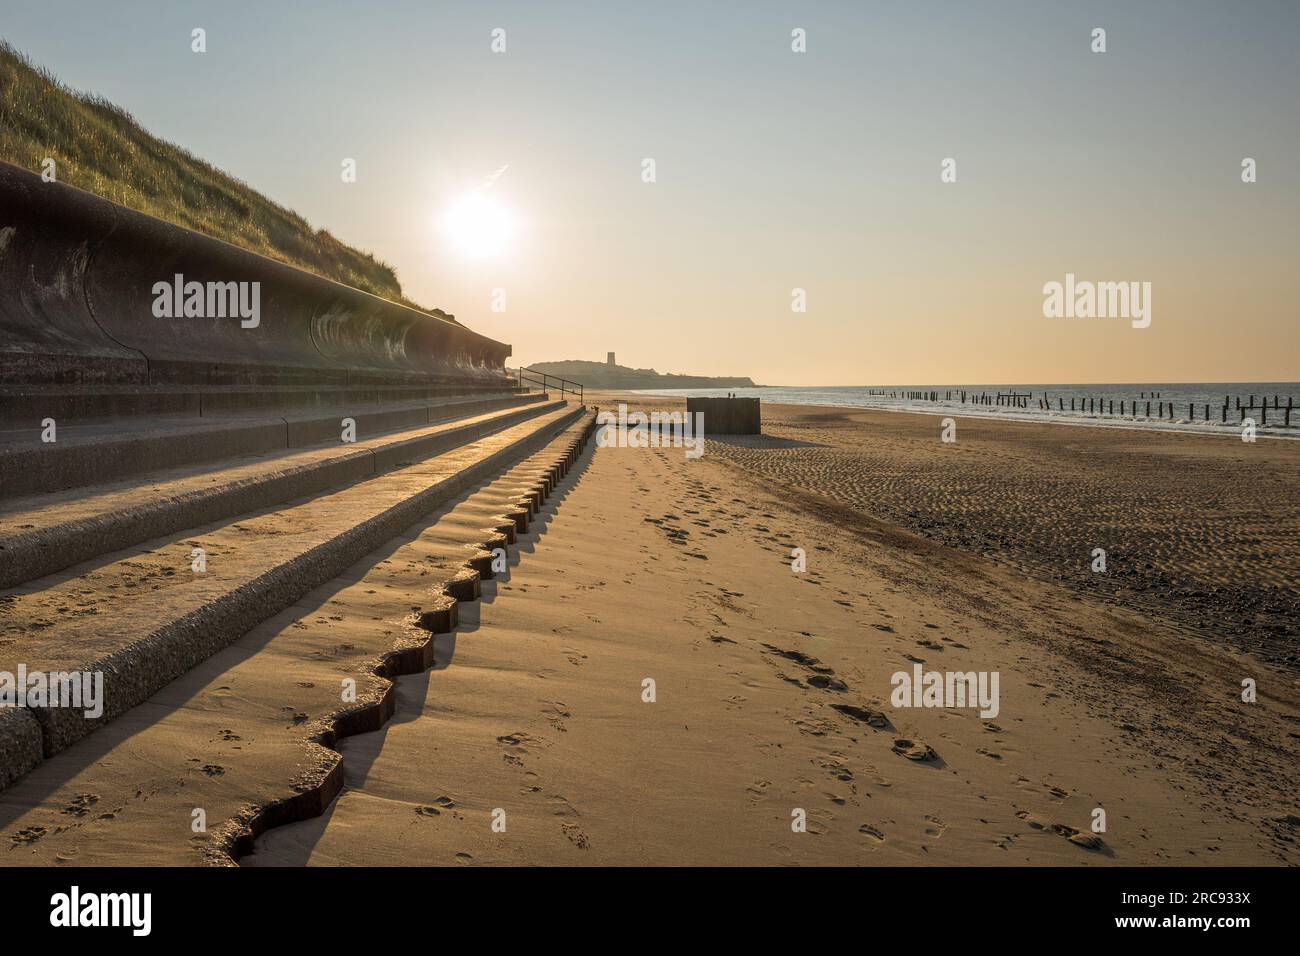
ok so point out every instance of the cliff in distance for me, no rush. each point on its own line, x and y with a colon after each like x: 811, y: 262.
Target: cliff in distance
x: 603, y: 375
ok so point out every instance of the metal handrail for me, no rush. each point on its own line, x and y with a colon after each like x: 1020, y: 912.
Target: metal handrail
x: 563, y: 384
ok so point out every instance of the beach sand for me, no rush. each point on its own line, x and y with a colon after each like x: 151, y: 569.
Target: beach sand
x: 533, y: 741
x: 1200, y: 530
x: 772, y: 689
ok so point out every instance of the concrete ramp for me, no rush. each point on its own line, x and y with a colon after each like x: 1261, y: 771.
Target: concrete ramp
x: 78, y: 295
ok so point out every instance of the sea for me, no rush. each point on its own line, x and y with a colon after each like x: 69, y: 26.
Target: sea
x: 1189, y: 401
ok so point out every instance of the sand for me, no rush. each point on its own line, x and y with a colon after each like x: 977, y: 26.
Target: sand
x: 1203, y: 531
x: 532, y: 740
x: 766, y: 683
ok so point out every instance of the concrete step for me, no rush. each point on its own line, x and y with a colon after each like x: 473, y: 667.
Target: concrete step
x: 95, y: 453
x: 257, y: 718
x: 142, y: 617
x: 44, y: 533
x: 23, y: 405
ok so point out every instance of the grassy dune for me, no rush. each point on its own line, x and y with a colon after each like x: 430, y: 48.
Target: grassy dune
x: 98, y: 147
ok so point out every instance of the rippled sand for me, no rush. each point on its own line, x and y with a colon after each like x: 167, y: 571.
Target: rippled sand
x: 1201, y: 530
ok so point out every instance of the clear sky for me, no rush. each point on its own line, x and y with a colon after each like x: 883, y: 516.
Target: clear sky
x: 775, y: 170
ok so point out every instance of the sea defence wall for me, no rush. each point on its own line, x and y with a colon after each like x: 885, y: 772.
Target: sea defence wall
x: 78, y: 307
x: 727, y: 416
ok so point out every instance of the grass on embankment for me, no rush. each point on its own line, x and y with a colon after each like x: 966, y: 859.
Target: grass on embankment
x: 98, y: 147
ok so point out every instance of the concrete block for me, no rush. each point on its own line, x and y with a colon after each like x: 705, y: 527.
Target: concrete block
x: 728, y: 416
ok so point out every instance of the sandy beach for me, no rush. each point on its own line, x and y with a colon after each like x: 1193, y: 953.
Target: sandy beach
x: 766, y: 684
x: 1202, y: 531
x: 533, y: 738
x: 850, y: 453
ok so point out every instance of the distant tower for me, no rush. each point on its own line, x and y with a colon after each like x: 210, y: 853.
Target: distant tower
x: 609, y: 360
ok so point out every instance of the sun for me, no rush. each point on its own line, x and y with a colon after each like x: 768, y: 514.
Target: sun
x: 479, y: 225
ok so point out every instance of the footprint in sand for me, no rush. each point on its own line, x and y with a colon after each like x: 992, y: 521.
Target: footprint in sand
x: 936, y: 826
x: 556, y: 714
x: 813, y: 728
x: 575, y: 835
x: 827, y: 683
x: 914, y: 749
x: 1089, y: 841
x: 834, y: 765
x: 29, y: 835
x: 873, y: 718
x: 81, y: 805
x: 818, y: 821
x: 876, y: 835
x: 516, y: 741
x: 561, y: 807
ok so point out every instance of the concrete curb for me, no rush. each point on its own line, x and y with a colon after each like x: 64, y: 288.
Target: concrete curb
x: 20, y: 744
x: 237, y: 837
x: 22, y: 404
x: 37, y: 468
x: 134, y: 673
x: 29, y: 556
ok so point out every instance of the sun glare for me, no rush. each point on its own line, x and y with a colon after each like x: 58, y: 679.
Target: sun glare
x: 479, y: 225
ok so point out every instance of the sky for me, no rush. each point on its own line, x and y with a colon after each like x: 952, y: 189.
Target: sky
x: 774, y: 170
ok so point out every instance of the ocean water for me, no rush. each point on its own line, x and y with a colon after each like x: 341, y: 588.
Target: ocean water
x: 1197, y: 394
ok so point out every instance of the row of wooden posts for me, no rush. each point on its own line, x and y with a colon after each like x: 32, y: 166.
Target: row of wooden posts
x: 1164, y: 409
x: 1150, y: 405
